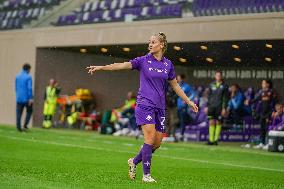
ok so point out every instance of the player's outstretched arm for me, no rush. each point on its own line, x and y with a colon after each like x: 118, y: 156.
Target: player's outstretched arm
x: 110, y: 67
x: 174, y: 84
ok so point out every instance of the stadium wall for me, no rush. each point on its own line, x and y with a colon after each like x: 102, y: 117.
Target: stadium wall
x: 17, y: 47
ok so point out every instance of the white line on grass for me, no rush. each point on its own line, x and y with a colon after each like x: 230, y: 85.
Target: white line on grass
x: 180, y: 147
x: 127, y: 144
x: 163, y: 156
x: 108, y: 142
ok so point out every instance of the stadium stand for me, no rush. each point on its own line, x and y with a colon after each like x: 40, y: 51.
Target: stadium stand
x: 14, y: 14
x: 229, y: 7
x: 122, y: 10
x: 95, y: 11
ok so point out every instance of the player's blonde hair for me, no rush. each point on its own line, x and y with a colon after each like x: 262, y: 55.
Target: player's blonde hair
x: 163, y: 39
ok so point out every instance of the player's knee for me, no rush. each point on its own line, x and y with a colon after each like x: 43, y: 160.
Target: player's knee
x: 149, y: 140
x: 155, y: 147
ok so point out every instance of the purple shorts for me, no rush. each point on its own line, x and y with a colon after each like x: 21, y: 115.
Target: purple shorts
x: 150, y: 115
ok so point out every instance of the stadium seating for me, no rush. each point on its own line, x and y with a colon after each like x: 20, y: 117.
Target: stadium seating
x: 131, y: 10
x: 15, y: 13
x: 122, y: 10
x: 228, y: 7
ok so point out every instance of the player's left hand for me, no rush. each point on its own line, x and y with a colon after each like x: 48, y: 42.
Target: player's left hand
x: 193, y: 106
x: 224, y: 112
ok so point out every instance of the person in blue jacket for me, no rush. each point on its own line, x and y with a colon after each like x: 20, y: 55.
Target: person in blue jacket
x: 181, y: 105
x: 24, y: 96
x: 236, y: 104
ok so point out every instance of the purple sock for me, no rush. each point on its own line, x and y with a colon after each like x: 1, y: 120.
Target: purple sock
x: 138, y: 158
x: 146, y: 158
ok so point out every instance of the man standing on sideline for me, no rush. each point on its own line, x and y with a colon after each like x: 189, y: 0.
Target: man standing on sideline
x: 217, y: 103
x: 24, y: 96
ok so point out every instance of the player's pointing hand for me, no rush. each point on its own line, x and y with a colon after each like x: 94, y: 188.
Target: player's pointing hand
x: 92, y: 69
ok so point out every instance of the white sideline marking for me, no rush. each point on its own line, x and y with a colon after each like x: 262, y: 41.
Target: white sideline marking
x: 128, y: 144
x: 163, y: 156
x: 163, y: 148
x: 108, y: 142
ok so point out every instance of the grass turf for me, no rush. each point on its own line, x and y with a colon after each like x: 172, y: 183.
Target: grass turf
x: 76, y: 159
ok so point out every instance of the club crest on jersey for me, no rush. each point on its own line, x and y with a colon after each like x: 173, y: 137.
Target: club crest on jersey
x: 149, y: 61
x: 149, y: 118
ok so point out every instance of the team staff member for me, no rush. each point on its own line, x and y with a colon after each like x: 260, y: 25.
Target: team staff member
x: 50, y: 102
x: 24, y: 96
x: 265, y: 98
x: 217, y: 103
x: 182, y: 105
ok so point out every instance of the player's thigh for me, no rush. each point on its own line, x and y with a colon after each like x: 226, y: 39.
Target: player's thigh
x: 149, y: 132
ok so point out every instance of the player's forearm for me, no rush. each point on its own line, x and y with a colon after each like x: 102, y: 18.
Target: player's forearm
x: 115, y: 66
x: 181, y: 93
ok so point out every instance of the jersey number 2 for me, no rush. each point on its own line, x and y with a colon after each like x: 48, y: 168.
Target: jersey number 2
x: 163, y: 120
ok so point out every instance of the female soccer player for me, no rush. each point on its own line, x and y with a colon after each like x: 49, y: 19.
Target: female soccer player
x: 154, y: 70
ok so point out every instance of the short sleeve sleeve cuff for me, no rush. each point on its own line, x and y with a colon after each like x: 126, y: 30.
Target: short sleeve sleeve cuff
x: 136, y: 63
x: 172, y: 74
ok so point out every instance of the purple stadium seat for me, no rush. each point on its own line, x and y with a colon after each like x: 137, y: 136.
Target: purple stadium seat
x: 226, y: 7
x: 15, y: 13
x: 118, y: 10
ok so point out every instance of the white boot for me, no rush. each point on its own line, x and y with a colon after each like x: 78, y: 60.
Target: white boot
x: 148, y: 178
x: 132, y: 169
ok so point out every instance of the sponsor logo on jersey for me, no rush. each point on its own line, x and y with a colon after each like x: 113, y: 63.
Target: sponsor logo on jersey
x: 159, y: 70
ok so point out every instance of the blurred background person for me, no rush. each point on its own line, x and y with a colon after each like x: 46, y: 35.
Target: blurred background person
x: 217, y: 103
x: 171, y: 111
x: 182, y: 106
x: 235, y: 107
x: 24, y: 96
x: 264, y: 100
x: 123, y: 118
x: 277, y: 118
x: 50, y: 101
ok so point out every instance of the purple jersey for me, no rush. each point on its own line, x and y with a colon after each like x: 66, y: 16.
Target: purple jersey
x: 278, y: 120
x: 153, y: 80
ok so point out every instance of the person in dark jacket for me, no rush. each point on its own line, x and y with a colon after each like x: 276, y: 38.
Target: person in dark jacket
x: 24, y: 96
x: 265, y: 98
x: 217, y: 103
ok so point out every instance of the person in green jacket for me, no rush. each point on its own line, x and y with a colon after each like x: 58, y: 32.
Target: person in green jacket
x: 50, y: 102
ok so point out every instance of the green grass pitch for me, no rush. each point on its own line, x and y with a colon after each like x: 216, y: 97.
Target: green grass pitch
x: 76, y: 159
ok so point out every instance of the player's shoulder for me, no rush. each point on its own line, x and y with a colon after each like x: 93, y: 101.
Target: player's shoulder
x: 169, y: 62
x: 143, y: 57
